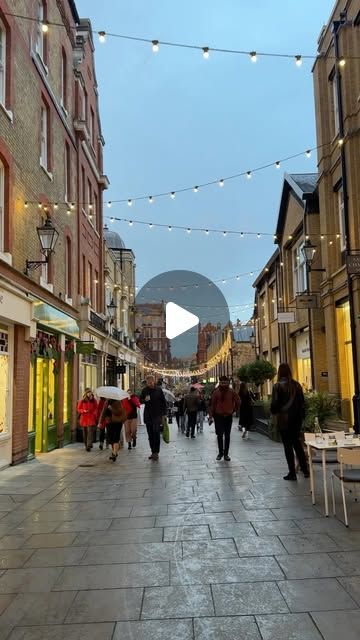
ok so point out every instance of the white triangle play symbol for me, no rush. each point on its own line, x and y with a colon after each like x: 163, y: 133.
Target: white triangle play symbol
x: 178, y: 320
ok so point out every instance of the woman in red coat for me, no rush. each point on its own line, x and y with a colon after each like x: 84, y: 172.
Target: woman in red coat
x: 131, y: 406
x: 88, y: 410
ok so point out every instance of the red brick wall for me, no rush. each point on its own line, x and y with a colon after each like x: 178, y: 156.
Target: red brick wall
x: 20, y: 395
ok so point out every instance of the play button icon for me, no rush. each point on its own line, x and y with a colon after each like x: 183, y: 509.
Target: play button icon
x: 178, y: 320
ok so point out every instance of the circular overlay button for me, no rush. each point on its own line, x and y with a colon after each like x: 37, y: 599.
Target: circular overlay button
x: 182, y: 320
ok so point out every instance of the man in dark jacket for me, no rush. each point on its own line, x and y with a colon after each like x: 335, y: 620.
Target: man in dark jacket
x: 224, y: 402
x: 155, y: 408
x: 191, y: 404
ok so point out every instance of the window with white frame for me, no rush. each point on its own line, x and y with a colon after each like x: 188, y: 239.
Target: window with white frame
x: 299, y: 268
x: 2, y: 63
x: 2, y: 204
x: 44, y: 136
x: 63, y: 79
x: 340, y: 202
x: 335, y: 106
x: 40, y: 33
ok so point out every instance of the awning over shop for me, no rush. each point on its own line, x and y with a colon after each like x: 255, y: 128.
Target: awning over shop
x: 55, y: 319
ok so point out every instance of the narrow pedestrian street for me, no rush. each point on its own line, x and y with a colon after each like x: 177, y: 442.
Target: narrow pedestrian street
x: 186, y: 547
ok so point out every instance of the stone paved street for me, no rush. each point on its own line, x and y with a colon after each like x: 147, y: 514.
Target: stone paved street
x: 186, y: 547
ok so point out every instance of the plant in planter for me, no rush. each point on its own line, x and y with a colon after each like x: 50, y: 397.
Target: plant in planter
x: 257, y: 372
x: 321, y: 405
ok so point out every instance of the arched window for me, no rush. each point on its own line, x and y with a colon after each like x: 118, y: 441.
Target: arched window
x: 2, y: 205
x: 3, y: 62
x: 41, y: 35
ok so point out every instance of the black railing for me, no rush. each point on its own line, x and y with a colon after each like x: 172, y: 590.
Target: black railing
x: 116, y: 334
x: 97, y: 322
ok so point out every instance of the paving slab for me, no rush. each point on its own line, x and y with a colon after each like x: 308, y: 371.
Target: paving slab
x: 154, y: 630
x: 104, y: 605
x: 222, y: 628
x: 291, y: 626
x: 64, y: 632
x: 177, y: 602
x: 248, y: 599
x: 338, y: 624
x: 113, y: 576
x: 325, y: 594
x: 224, y: 570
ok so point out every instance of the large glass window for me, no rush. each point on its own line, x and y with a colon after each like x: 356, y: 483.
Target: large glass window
x: 66, y: 412
x: 299, y: 269
x: 4, y: 381
x: 2, y: 63
x: 31, y: 423
x: 2, y: 204
x: 346, y: 369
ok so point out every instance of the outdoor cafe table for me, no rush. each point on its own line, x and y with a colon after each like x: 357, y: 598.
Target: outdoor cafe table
x: 324, y: 446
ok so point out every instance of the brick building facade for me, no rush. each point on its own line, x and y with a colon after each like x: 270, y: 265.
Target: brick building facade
x: 52, y: 315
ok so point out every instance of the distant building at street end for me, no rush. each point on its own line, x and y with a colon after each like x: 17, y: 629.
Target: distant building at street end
x: 150, y: 324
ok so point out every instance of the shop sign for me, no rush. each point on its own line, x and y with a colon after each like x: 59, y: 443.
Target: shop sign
x: 286, y: 317
x: 308, y: 301
x: 55, y: 319
x: 353, y: 264
x: 84, y: 348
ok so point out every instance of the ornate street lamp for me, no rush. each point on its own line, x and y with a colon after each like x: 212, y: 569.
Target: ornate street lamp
x: 48, y: 237
x: 308, y: 252
x: 112, y: 310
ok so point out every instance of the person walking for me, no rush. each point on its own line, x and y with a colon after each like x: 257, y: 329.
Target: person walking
x: 87, y: 408
x: 131, y: 406
x: 180, y: 415
x: 201, y: 414
x: 246, y: 417
x: 155, y: 408
x: 224, y: 401
x: 191, y: 404
x: 117, y: 416
x: 288, y: 405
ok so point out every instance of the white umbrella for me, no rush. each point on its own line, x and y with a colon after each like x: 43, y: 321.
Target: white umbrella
x: 169, y: 396
x: 111, y: 393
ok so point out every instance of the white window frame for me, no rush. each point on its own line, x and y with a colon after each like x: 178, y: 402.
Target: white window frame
x: 2, y: 205
x: 63, y: 101
x: 336, y: 107
x: 40, y: 35
x: 340, y: 207
x: 44, y: 140
x: 2, y: 63
x: 299, y: 268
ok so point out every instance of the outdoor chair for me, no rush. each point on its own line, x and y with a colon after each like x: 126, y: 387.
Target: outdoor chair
x: 347, y: 458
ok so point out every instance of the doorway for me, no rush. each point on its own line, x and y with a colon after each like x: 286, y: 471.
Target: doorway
x: 45, y: 390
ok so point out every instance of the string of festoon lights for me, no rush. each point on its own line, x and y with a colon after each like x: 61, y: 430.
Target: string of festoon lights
x: 223, y: 353
x: 195, y: 188
x: 205, y: 51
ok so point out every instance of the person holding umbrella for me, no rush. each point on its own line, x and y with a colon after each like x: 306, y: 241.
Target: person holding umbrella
x: 155, y: 408
x: 114, y: 410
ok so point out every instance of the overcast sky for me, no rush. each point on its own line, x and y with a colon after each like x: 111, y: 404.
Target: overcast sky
x: 173, y: 119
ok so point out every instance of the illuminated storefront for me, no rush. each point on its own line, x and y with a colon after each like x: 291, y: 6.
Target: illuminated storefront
x: 346, y: 369
x: 303, y: 360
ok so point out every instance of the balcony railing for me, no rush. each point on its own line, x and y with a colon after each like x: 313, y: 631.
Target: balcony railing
x: 97, y: 322
x: 117, y: 334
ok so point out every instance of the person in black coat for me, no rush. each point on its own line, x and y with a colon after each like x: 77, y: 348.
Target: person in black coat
x: 155, y: 408
x: 246, y: 417
x: 288, y: 405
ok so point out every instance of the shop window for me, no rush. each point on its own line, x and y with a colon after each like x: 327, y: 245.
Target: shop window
x: 345, y: 366
x: 2, y: 205
x: 45, y: 137
x: 66, y: 407
x: 67, y: 173
x: 63, y: 79
x: 41, y: 35
x: 3, y: 63
x: 299, y: 269
x: 4, y: 382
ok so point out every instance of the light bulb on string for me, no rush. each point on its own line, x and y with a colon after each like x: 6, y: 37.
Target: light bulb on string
x: 237, y: 277
x: 275, y: 237
x: 248, y: 175
x: 90, y: 207
x: 39, y: 205
x: 207, y: 232
x: 342, y: 62
x: 26, y: 204
x: 224, y: 281
x: 221, y: 182
x: 258, y: 235
x: 298, y: 61
x: 188, y: 230
x: 109, y: 204
x: 129, y: 202
x: 195, y: 189
x: 206, y: 52
x: 130, y: 223
x: 169, y: 228
x: 308, y: 153
x: 241, y: 234
x: 253, y: 56
x: 172, y: 195
x: 155, y: 46
x: 68, y: 212
x: 341, y: 142
x: 277, y: 164
x: 151, y: 225
x: 102, y: 37
x: 44, y: 26
x: 224, y: 233
x: 72, y: 206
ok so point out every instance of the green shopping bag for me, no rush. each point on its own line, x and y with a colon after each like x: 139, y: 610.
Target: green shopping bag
x: 165, y: 430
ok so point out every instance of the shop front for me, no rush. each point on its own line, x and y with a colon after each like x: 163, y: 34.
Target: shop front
x: 345, y: 360
x: 16, y: 328
x: 52, y: 381
x: 303, y: 359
